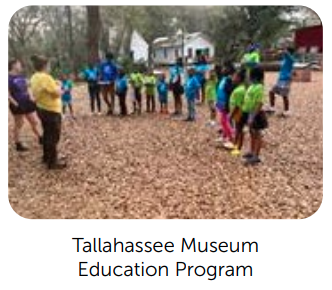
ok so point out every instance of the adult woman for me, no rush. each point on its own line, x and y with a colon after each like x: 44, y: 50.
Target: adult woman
x: 21, y: 104
x: 48, y: 99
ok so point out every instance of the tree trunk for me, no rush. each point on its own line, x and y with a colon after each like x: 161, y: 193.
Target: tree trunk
x: 70, y: 38
x: 93, y: 33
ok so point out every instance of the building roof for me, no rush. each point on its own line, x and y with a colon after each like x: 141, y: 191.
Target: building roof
x: 176, y: 41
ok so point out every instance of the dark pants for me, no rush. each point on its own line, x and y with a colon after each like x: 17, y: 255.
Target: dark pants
x: 122, y: 103
x: 94, y: 96
x: 177, y: 103
x: 51, y: 123
x: 150, y: 103
x: 138, y: 100
x: 109, y: 90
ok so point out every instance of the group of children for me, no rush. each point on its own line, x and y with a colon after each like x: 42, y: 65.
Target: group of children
x: 230, y: 95
x: 235, y: 98
x: 238, y: 101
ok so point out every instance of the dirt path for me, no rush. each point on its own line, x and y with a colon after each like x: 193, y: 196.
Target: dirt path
x: 154, y: 167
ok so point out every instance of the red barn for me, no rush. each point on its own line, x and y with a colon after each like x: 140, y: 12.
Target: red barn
x: 310, y: 37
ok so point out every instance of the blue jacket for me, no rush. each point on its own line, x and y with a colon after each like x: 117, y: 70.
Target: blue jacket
x: 175, y: 74
x: 91, y: 74
x: 108, y: 71
x: 121, y: 84
x: 162, y: 88
x: 224, y: 91
x: 192, y: 87
x: 287, y: 66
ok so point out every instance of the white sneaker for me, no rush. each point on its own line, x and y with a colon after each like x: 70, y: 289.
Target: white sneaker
x: 211, y: 124
x: 228, y: 145
x: 270, y: 109
x: 286, y: 114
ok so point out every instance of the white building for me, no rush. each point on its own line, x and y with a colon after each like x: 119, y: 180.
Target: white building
x: 167, y: 49
x: 139, y: 48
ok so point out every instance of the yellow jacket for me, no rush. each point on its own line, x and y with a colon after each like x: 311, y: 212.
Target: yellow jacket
x: 46, y: 92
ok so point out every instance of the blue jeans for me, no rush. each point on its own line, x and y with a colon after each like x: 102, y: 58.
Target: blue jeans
x: 191, y: 109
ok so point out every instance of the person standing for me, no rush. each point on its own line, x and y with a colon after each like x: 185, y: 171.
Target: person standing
x: 162, y: 88
x: 90, y: 75
x: 150, y: 89
x: 67, y: 98
x: 177, y: 88
x: 21, y: 104
x: 121, y: 91
x: 107, y: 76
x: 192, y: 88
x: 282, y: 87
x: 48, y: 99
x: 137, y: 81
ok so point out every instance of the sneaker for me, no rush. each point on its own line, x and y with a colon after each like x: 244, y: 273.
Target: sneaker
x: 228, y: 145
x: 270, y: 110
x: 247, y: 155
x: 211, y: 124
x: 286, y: 114
x: 189, y: 120
x: 57, y: 166
x: 252, y: 161
x: 235, y: 152
x: 20, y: 147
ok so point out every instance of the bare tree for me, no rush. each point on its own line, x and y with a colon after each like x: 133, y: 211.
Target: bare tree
x: 93, y: 33
x: 22, y: 28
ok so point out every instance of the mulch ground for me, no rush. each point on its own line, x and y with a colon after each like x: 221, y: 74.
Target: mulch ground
x: 151, y: 166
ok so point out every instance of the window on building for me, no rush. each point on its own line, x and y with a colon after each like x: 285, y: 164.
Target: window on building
x: 190, y: 52
x: 165, y: 52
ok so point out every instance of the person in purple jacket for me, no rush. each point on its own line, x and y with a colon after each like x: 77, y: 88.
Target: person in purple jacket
x: 21, y: 104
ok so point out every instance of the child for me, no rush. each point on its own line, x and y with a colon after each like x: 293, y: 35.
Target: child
x: 192, y: 88
x: 282, y: 87
x: 162, y: 89
x: 136, y: 80
x: 253, y: 115
x: 91, y: 76
x: 224, y: 91
x: 107, y: 75
x: 150, y: 87
x: 211, y: 96
x: 176, y: 87
x: 66, y: 86
x: 121, y: 91
x: 235, y: 103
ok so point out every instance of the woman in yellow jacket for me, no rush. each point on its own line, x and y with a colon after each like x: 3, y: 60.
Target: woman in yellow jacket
x: 47, y: 94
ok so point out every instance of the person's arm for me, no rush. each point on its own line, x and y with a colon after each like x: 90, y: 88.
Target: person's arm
x: 11, y: 100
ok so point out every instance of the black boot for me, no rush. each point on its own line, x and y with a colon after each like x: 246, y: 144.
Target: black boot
x: 20, y: 147
x: 57, y: 165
